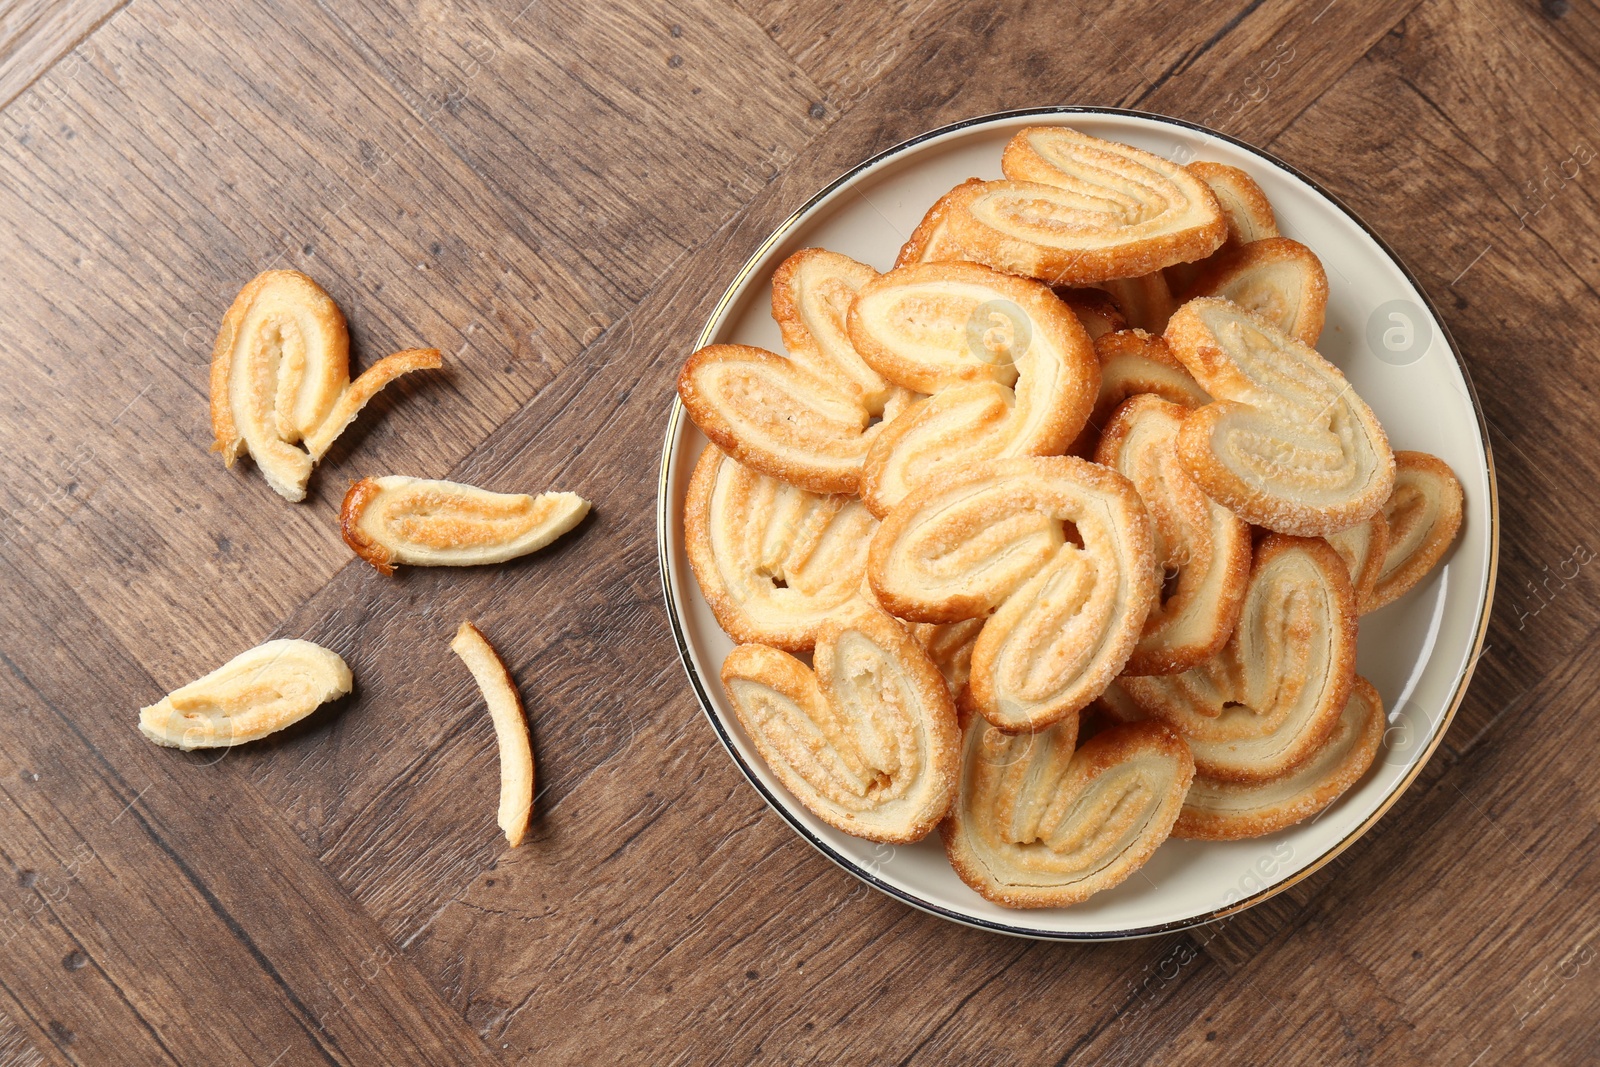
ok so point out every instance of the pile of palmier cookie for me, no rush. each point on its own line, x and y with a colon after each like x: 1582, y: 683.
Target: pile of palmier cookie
x: 1073, y: 521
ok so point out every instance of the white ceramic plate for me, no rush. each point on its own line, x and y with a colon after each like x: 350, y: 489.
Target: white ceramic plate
x: 1381, y: 331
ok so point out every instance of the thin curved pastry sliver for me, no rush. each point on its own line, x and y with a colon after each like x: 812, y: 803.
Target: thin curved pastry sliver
x: 774, y: 561
x: 256, y: 693
x: 1075, y: 210
x: 1423, y: 514
x: 1217, y: 810
x: 280, y: 377
x: 1038, y: 824
x: 1008, y: 369
x: 867, y: 740
x: 1363, y: 548
x: 1058, y: 549
x: 1285, y: 443
x: 1279, y: 279
x: 510, y: 729
x: 363, y: 389
x: 1269, y: 700
x: 1202, y: 547
x: 397, y: 520
x: 1244, y: 206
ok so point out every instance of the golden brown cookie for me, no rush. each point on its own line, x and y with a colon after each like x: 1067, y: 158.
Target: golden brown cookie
x: 1279, y: 279
x: 1039, y: 825
x: 773, y: 561
x: 805, y: 417
x: 419, y: 522
x: 1286, y: 443
x: 1218, y: 810
x: 1423, y: 514
x: 1075, y: 210
x: 1270, y: 699
x: 1008, y: 369
x: 255, y: 693
x: 280, y: 378
x: 1203, y: 549
x: 1057, y: 548
x: 868, y: 741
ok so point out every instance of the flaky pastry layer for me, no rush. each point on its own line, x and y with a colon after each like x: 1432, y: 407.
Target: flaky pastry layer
x: 1203, y: 549
x: 773, y: 561
x: 1008, y: 369
x: 1219, y: 810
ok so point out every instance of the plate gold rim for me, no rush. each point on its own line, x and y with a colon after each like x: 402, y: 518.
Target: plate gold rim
x: 664, y: 508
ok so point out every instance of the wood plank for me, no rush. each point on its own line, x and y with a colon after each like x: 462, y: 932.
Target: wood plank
x: 35, y: 35
x: 155, y: 908
x: 631, y: 132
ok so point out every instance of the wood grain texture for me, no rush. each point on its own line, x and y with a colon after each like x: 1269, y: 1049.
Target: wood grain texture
x: 555, y: 194
x: 35, y: 35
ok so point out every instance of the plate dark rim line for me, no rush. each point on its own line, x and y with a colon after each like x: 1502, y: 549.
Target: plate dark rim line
x: 663, y: 509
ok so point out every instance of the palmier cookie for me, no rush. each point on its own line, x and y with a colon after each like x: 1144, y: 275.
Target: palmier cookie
x: 1219, y: 810
x: 1245, y: 207
x: 1279, y: 279
x: 804, y: 417
x: 1270, y: 699
x: 1423, y: 514
x: 426, y: 523
x: 1202, y: 548
x: 1039, y: 825
x: 1134, y: 362
x: 1075, y: 210
x: 1057, y: 548
x: 280, y: 378
x: 868, y: 742
x: 773, y: 561
x: 1008, y: 368
x: 1286, y: 443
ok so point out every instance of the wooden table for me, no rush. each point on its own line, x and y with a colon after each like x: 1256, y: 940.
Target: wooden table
x: 554, y: 194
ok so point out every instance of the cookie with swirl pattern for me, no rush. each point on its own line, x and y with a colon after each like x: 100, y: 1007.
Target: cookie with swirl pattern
x: 1286, y: 443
